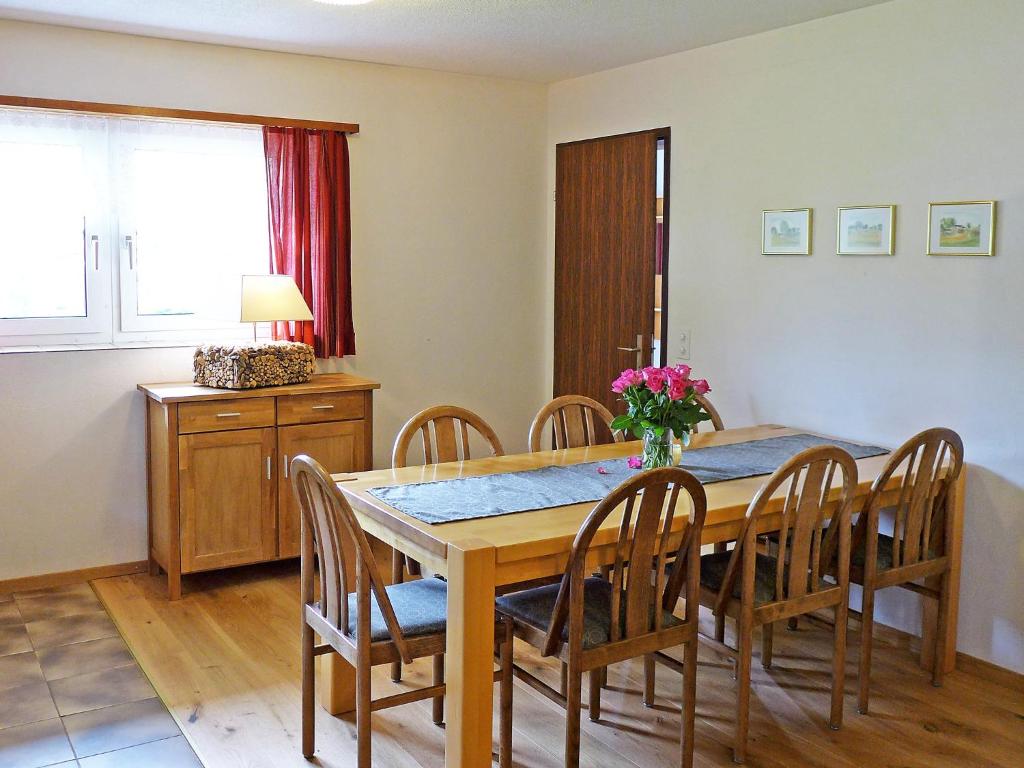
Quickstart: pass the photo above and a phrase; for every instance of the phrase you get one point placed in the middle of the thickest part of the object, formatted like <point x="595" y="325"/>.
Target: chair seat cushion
<point x="535" y="606"/>
<point x="421" y="608"/>
<point x="712" y="574"/>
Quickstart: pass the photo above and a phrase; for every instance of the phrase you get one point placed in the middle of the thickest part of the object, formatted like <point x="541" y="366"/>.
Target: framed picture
<point x="786" y="232"/>
<point x="962" y="229"/>
<point x="866" y="230"/>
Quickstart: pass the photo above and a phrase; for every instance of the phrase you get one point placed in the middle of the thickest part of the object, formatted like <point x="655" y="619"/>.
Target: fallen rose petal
<point x="602" y="471"/>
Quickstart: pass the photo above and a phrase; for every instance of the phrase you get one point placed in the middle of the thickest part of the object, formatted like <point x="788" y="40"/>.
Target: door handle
<point x="638" y="349"/>
<point x="268" y="468"/>
<point x="286" y="466"/>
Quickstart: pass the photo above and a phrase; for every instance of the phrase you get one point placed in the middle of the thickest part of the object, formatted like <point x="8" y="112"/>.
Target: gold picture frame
<point x="962" y="228"/>
<point x="780" y="237"/>
<point x="866" y="230"/>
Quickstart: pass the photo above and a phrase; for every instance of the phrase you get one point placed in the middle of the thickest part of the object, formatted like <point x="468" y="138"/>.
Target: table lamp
<point x="269" y="298"/>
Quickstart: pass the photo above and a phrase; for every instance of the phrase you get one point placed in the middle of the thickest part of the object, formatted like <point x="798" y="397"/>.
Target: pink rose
<point x="682" y="370"/>
<point x="700" y="386"/>
<point x="677" y="386"/>
<point x="635" y="462"/>
<point x="656" y="378"/>
<point x="628" y="378"/>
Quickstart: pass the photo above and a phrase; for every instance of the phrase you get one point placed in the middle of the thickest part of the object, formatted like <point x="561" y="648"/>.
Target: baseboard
<point x="990" y="672"/>
<point x="45" y="580"/>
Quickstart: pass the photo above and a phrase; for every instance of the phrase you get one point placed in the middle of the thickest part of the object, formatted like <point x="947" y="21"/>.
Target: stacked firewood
<point x="253" y="365"/>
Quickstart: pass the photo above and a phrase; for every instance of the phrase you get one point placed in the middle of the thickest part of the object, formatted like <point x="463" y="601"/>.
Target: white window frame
<point x="110" y="285"/>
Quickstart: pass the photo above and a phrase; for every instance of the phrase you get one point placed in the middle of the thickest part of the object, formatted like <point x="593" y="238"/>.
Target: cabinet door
<point x="338" y="445"/>
<point x="227" y="494"/>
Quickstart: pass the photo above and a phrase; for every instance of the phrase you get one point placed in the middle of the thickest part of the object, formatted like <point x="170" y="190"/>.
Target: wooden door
<point x="338" y="445"/>
<point x="227" y="492"/>
<point x="605" y="246"/>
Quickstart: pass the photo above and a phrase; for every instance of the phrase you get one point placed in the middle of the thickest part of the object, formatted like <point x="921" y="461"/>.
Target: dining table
<point x="480" y="556"/>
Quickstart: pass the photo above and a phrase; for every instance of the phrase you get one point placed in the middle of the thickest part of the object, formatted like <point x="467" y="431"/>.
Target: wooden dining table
<point x="479" y="556"/>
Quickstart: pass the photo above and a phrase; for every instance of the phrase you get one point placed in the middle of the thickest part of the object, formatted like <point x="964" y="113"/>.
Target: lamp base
<point x="247" y="366"/>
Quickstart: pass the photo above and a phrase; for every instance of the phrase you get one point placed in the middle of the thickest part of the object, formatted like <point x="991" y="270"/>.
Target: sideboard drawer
<point x="326" y="406"/>
<point x="216" y="415"/>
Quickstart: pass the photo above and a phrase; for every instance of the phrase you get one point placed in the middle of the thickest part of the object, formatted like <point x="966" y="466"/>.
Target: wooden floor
<point x="225" y="660"/>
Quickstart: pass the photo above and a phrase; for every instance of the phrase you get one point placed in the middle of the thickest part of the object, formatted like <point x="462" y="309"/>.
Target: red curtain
<point x="310" y="232"/>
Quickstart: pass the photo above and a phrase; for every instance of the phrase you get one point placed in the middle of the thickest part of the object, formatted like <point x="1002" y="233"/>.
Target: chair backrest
<point x="716" y="419"/>
<point x="445" y="433"/>
<point x="573" y="423"/>
<point x="804" y="554"/>
<point x="931" y="462"/>
<point x="346" y="560"/>
<point x="649" y="507"/>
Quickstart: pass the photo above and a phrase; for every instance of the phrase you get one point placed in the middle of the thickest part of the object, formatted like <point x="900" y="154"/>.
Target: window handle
<point x="96" y="250"/>
<point x="129" y="244"/>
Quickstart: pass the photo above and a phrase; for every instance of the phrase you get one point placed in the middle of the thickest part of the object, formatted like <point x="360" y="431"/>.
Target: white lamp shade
<point x="272" y="297"/>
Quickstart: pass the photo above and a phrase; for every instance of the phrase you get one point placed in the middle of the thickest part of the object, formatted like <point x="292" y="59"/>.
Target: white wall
<point x="447" y="205"/>
<point x="906" y="102"/>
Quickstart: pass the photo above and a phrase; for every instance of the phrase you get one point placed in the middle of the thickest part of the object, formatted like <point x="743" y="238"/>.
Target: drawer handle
<point x="323" y="407"/>
<point x="229" y="415"/>
<point x="268" y="467"/>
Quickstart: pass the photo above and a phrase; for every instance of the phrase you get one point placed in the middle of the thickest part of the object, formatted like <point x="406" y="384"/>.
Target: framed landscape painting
<point x="866" y="230"/>
<point x="786" y="232"/>
<point x="962" y="229"/>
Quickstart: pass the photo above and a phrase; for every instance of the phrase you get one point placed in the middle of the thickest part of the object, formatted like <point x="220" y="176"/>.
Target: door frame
<point x="661" y="134"/>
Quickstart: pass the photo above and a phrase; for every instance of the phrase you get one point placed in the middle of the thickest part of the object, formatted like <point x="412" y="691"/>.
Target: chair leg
<point x="595" y="694"/>
<point x="397" y="577"/>
<point x="649" y="678"/>
<point x="835" y="720"/>
<point x="720" y="627"/>
<point x="867" y="622"/>
<point x="573" y="705"/>
<point x="689" y="701"/>
<point x="940" y="631"/>
<point x="767" y="637"/>
<point x="505" y="717"/>
<point x="563" y="682"/>
<point x="308" y="693"/>
<point x="604" y="677"/>
<point x="363" y="714"/>
<point x="743" y="657"/>
<point x="438" y="702"/>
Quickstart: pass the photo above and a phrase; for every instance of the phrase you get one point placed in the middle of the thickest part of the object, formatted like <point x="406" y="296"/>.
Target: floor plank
<point x="225" y="661"/>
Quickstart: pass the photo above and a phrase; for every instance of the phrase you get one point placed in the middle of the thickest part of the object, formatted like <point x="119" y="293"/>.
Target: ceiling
<point x="541" y="40"/>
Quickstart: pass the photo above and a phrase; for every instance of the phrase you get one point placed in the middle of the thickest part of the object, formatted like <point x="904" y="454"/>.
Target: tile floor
<point x="71" y="695"/>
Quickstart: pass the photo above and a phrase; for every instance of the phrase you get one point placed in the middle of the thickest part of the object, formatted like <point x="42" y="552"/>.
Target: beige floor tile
<point x="90" y="656"/>
<point x="71" y="629"/>
<point x="14" y="639"/>
<point x="126" y="725"/>
<point x="79" y="588"/>
<point x="19" y="669"/>
<point x="9" y="614"/>
<point x="93" y="690"/>
<point x="27" y="703"/>
<point x="35" y="745"/>
<point x="57" y="605"/>
<point x="170" y="753"/>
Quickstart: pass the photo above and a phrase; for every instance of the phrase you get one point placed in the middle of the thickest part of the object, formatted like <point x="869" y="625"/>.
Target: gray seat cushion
<point x="535" y="606"/>
<point x="421" y="608"/>
<point x="712" y="574"/>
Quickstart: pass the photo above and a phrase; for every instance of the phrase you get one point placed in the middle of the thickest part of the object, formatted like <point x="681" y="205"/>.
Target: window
<point x="126" y="231"/>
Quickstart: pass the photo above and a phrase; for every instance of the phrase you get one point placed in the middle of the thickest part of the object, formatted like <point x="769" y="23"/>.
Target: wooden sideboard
<point x="217" y="466"/>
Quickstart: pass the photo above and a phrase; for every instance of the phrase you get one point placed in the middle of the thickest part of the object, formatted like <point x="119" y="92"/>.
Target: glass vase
<point x="658" y="450"/>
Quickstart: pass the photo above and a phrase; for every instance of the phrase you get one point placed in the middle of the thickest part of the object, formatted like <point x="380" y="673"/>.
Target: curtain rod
<point x="177" y="114"/>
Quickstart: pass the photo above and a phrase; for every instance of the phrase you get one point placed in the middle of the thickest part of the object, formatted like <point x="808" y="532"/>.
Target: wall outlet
<point x="684" y="345"/>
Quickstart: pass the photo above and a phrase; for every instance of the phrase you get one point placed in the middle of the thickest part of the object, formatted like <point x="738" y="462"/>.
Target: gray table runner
<point x="467" y="498"/>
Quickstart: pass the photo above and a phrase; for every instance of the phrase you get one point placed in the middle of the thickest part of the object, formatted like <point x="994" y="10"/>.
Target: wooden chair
<point x="716" y="419"/>
<point x="591" y="622"/>
<point x="758" y="589"/>
<point x="573" y="423"/>
<point x="444" y="431"/>
<point x="932" y="461"/>
<point x="375" y="625"/>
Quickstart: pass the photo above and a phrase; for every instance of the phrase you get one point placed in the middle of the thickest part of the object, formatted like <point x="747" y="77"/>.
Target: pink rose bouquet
<point x="660" y="403"/>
